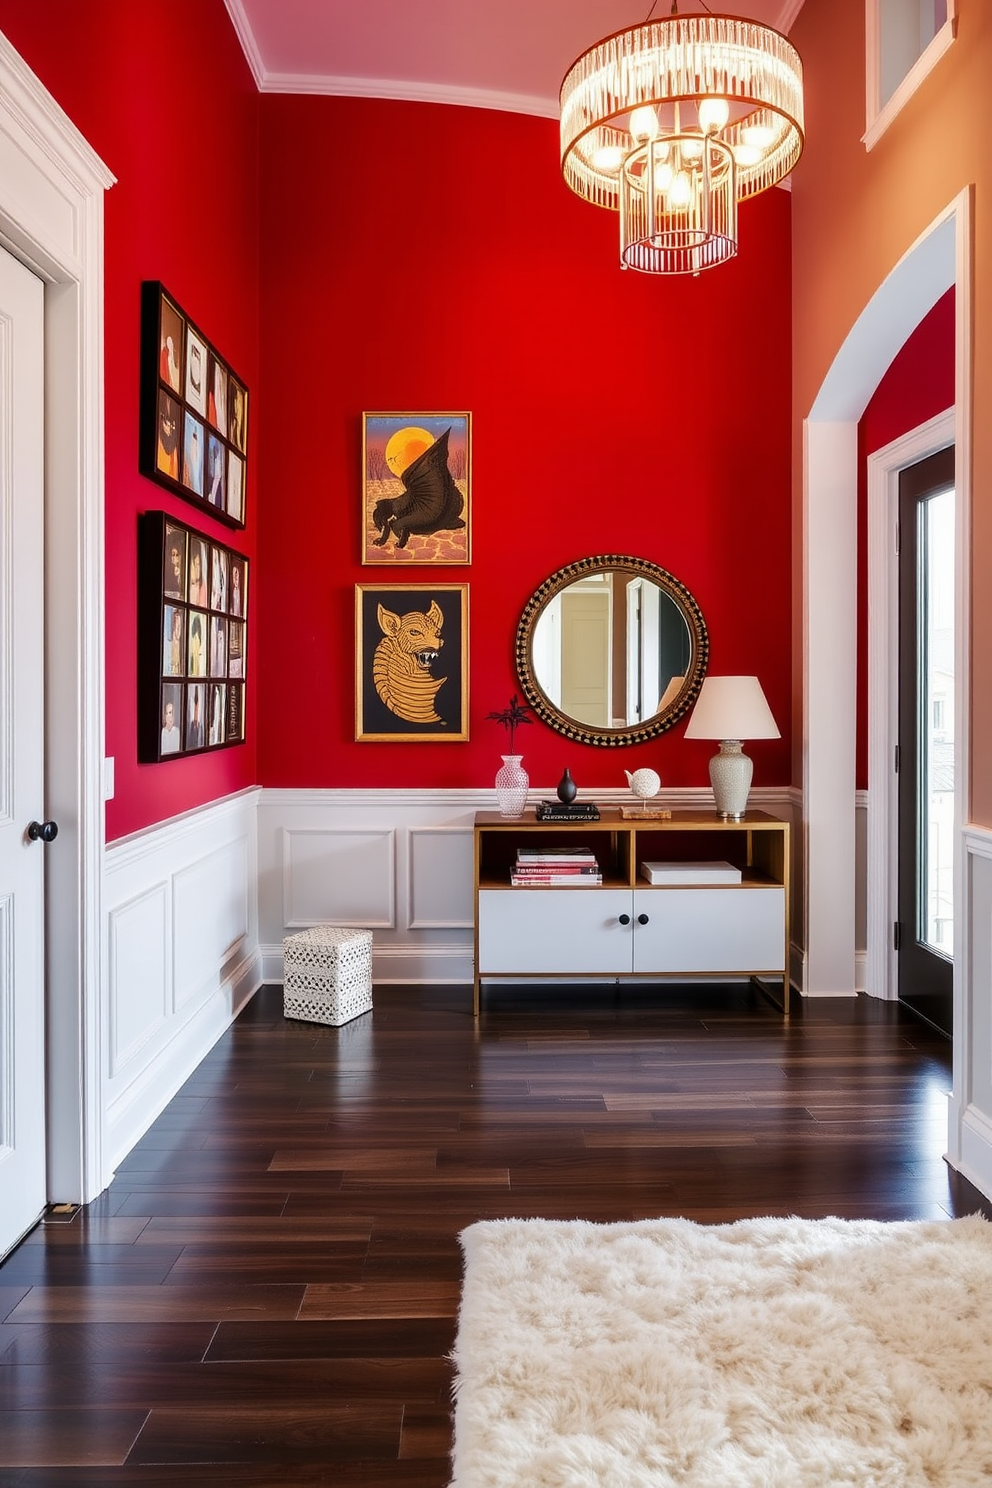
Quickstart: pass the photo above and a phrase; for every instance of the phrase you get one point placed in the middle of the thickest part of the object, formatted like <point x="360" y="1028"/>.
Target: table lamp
<point x="731" y="709"/>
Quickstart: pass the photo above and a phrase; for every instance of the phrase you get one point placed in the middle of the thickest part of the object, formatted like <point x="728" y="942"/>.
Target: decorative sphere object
<point x="644" y="783"/>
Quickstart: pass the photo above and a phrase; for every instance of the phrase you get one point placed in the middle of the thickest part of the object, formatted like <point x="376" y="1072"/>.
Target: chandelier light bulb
<point x="747" y="154"/>
<point x="760" y="136"/>
<point x="663" y="176"/>
<point x="680" y="191"/>
<point x="644" y="124"/>
<point x="713" y="114"/>
<point x="692" y="148"/>
<point x="608" y="158"/>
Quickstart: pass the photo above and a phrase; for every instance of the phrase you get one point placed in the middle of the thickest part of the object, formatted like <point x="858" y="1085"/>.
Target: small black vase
<point x="566" y="788"/>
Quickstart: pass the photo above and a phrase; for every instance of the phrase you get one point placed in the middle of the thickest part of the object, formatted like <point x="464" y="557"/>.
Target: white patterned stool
<point x="327" y="974"/>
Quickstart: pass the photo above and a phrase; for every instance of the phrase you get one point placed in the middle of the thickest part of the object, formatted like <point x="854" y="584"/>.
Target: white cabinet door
<point x="556" y="932"/>
<point x="710" y="930"/>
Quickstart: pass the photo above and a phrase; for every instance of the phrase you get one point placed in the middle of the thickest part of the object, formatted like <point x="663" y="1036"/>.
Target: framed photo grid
<point x="192" y="641"/>
<point x="193" y="435"/>
<point x="411" y="655"/>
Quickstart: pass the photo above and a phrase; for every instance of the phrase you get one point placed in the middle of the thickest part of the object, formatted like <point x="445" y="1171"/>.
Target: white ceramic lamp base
<point x="730" y="777"/>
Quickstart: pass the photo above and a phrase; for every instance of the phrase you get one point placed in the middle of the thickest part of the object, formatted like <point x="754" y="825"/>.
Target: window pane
<point x="907" y="27"/>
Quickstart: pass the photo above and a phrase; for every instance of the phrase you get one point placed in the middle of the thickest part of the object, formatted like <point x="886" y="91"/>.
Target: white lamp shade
<point x="731" y="708"/>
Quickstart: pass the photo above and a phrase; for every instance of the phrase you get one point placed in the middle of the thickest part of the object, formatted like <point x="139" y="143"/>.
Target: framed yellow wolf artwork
<point x="416" y="478"/>
<point x="411" y="650"/>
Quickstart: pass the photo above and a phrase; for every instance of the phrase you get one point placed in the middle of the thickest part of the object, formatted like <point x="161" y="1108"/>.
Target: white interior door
<point x="22" y="866"/>
<point x="585" y="648"/>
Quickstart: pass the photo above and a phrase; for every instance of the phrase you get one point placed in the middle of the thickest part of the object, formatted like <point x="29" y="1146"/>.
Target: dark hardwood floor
<point x="267" y="1292"/>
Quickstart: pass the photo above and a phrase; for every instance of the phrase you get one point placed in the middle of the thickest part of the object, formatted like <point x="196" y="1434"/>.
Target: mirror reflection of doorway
<point x="610" y="651"/>
<point x="586" y="644"/>
<point x="925" y="925"/>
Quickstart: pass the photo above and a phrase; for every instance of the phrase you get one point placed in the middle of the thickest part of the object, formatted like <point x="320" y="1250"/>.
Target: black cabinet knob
<point x="624" y="919"/>
<point x="642" y="919"/>
<point x="45" y="831"/>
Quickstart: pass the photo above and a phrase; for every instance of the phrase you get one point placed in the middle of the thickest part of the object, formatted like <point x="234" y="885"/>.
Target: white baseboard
<point x="976" y="1150"/>
<point x="147" y="1096"/>
<point x="398" y="965"/>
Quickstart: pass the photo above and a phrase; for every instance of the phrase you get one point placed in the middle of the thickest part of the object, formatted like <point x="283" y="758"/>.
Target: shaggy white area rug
<point x="772" y="1353"/>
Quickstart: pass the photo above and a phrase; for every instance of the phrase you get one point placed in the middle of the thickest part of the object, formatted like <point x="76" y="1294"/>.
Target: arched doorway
<point x="938" y="260"/>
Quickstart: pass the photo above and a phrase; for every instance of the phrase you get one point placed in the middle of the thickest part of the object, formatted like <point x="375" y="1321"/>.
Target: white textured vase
<point x="512" y="784"/>
<point x="730" y="777"/>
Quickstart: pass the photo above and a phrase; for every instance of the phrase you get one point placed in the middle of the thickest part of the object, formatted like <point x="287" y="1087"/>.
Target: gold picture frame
<point x="411" y="663"/>
<point x="416" y="489"/>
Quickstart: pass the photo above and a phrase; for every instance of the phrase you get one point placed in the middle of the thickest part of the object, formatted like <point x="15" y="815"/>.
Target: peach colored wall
<point x="855" y="214"/>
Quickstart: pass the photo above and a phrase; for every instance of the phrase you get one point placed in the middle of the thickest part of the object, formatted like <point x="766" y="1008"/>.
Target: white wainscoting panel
<point x="970" y="1135"/>
<point x="440" y="867"/>
<point x="339" y="875"/>
<point x="211" y="903"/>
<point x="140" y="971"/>
<point x="400" y="863"/>
<point x="182" y="956"/>
<point x="396" y="862"/>
<point x="7" y="1085"/>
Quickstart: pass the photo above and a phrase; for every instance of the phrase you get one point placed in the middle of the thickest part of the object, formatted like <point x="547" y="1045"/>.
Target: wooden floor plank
<point x="257" y="1432"/>
<point x="268" y="1291"/>
<point x="88" y="1437"/>
<point x="162" y="1304"/>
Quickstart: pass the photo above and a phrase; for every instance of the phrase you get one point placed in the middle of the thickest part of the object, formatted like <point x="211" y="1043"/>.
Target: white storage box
<point x="327" y="974"/>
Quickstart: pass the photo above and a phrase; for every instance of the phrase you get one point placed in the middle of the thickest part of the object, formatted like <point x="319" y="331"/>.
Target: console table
<point x="627" y="926"/>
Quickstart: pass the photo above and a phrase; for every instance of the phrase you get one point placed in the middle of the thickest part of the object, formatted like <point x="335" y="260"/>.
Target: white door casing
<point x="884" y="466"/>
<point x="51" y="218"/>
<point x="23" y="1186"/>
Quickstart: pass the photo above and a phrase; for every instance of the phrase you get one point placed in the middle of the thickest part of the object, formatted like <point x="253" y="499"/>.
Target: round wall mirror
<point x="611" y="650"/>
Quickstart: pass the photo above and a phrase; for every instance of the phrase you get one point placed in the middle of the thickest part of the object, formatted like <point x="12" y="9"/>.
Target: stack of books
<point x="567" y="811"/>
<point x="556" y="868"/>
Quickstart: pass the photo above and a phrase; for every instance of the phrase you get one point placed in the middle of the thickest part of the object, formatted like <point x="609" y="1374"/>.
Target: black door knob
<point x="46" y="831"/>
<point x="642" y="919"/>
<point x="624" y="919"/>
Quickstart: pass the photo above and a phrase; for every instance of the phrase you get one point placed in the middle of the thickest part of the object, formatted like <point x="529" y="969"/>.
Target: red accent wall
<point x="162" y="91"/>
<point x="421" y="257"/>
<point x="918" y="385"/>
<point x="351" y="255"/>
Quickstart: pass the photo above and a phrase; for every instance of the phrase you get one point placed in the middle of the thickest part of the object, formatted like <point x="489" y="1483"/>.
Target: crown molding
<point x="246" y="37"/>
<point x="404" y="89"/>
<point x="787" y="15"/>
<point x="407" y="92"/>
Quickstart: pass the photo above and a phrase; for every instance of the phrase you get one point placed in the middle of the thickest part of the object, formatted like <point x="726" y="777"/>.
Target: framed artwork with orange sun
<point x="416" y="488"/>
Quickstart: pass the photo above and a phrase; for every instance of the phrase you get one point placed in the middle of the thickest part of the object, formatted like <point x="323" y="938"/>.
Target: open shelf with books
<point x="715" y="904"/>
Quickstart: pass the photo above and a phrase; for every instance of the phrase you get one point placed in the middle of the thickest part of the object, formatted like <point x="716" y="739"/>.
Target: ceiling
<point x="501" y="54"/>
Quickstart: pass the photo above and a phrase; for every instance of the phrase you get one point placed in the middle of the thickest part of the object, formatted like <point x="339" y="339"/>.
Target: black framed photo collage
<point x="193" y="435"/>
<point x="193" y="630"/>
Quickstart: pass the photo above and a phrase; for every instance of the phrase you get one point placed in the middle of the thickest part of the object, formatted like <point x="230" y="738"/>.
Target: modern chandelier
<point x="673" y="122"/>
